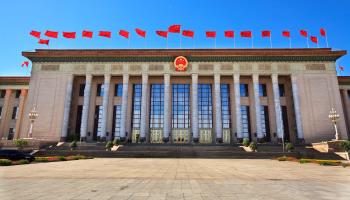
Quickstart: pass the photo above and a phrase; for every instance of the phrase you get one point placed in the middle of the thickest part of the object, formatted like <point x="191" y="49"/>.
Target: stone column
<point x="218" y="117"/>
<point x="167" y="108"/>
<point x="297" y="108"/>
<point x="277" y="102"/>
<point x="124" y="107"/>
<point x="194" y="114"/>
<point x="19" y="120"/>
<point x="106" y="86"/>
<point x="5" y="113"/>
<point x="259" y="133"/>
<point x="86" y="105"/>
<point x="143" y="125"/>
<point x="236" y="83"/>
<point x="67" y="104"/>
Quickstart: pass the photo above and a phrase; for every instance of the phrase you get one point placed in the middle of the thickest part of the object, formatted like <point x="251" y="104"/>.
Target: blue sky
<point x="18" y="18"/>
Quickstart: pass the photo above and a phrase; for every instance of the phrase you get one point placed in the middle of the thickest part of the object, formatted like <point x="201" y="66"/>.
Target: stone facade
<point x="308" y="77"/>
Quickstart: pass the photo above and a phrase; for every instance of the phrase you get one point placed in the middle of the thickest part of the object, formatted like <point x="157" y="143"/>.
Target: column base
<point x="301" y="141"/>
<point x="143" y="139"/>
<point x="82" y="139"/>
<point x="63" y="139"/>
<point x="239" y="140"/>
<point x="165" y="139"/>
<point x="219" y="140"/>
<point x="195" y="140"/>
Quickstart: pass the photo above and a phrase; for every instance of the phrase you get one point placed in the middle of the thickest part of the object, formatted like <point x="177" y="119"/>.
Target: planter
<point x="248" y="149"/>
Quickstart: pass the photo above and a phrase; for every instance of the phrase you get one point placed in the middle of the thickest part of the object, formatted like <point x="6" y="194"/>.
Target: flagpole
<point x="215" y="43"/>
<point x="167" y="42"/>
<point x="326" y="41"/>
<point x="307" y="42"/>
<point x="252" y="41"/>
<point x="290" y="42"/>
<point x="180" y="41"/>
<point x="234" y="42"/>
<point x="271" y="41"/>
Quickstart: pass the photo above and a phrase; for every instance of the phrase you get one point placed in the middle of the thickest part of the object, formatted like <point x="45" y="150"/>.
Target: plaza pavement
<point x="133" y="178"/>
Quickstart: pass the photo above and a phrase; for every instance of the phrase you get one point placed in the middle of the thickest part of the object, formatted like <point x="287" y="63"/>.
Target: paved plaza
<point x="134" y="178"/>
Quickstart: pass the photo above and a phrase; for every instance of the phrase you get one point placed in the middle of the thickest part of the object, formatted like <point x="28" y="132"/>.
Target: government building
<point x="186" y="96"/>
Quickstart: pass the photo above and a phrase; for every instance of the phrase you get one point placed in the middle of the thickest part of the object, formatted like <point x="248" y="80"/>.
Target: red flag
<point x="314" y="39"/>
<point x="124" y="33"/>
<point x="87" y="34"/>
<point x="229" y="34"/>
<point x="303" y="33"/>
<point x="246" y="34"/>
<point x="42" y="41"/>
<point x="323" y="32"/>
<point x="70" y="35"/>
<point x="174" y="28"/>
<point x="341" y="68"/>
<point x="210" y="34"/>
<point x="286" y="34"/>
<point x="52" y="34"/>
<point x="162" y="33"/>
<point x="140" y="32"/>
<point x="25" y="63"/>
<point x="106" y="34"/>
<point x="188" y="33"/>
<point x="35" y="34"/>
<point x="266" y="33"/>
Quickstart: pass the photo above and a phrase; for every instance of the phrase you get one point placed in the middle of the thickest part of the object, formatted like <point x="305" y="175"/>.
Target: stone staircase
<point x="265" y="151"/>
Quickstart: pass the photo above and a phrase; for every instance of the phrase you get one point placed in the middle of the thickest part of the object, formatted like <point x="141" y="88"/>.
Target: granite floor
<point x="132" y="178"/>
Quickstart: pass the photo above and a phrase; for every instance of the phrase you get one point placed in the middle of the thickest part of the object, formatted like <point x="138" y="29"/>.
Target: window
<point x="18" y="93"/>
<point x="118" y="90"/>
<point x="157" y="106"/>
<point x="0" y="111"/>
<point x="117" y="119"/>
<point x="243" y="90"/>
<point x="15" y="112"/>
<point x="262" y="90"/>
<point x="205" y="110"/>
<point x="180" y="106"/>
<point x="136" y="107"/>
<point x="281" y="89"/>
<point x="225" y="105"/>
<point x="245" y="121"/>
<point x="2" y="93"/>
<point x="99" y="122"/>
<point x="100" y="90"/>
<point x="265" y="125"/>
<point x="81" y="90"/>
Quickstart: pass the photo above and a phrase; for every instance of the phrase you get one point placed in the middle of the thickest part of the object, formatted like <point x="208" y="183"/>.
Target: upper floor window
<point x="281" y="89"/>
<point x="157" y="106"/>
<point x="181" y="106"/>
<point x="136" y="106"/>
<point x="81" y="90"/>
<point x="225" y="105"/>
<point x="262" y="90"/>
<point x="2" y="93"/>
<point x="118" y="90"/>
<point x="100" y="90"/>
<point x="18" y="93"/>
<point x="205" y="111"/>
<point x="243" y="90"/>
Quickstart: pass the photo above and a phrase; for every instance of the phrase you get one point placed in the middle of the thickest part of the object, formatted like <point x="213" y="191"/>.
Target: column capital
<point x="293" y="77"/>
<point x="24" y="92"/>
<point x="255" y="77"/>
<point x="217" y="77"/>
<point x="88" y="77"/>
<point x="274" y="78"/>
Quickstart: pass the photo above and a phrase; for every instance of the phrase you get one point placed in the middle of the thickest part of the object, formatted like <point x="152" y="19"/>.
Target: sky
<point x="19" y="17"/>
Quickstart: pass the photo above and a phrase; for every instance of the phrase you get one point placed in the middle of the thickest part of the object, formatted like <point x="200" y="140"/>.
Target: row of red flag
<point x="171" y="29"/>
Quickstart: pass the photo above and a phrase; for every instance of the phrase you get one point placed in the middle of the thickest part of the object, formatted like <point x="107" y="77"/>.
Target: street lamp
<point x="33" y="114"/>
<point x="334" y="117"/>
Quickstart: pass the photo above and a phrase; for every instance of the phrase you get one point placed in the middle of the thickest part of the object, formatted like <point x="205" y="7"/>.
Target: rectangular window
<point x="281" y="89"/>
<point x="100" y="90"/>
<point x="157" y="106"/>
<point x="205" y="110"/>
<point x="225" y="105"/>
<point x="15" y="112"/>
<point x="99" y="123"/>
<point x="136" y="107"/>
<point x="180" y="106"/>
<point x="117" y="120"/>
<point x="0" y="112"/>
<point x="245" y="121"/>
<point x="265" y="125"/>
<point x="2" y="94"/>
<point x="18" y="93"/>
<point x="118" y="90"/>
<point x="81" y="90"/>
<point x="262" y="90"/>
<point x="243" y="90"/>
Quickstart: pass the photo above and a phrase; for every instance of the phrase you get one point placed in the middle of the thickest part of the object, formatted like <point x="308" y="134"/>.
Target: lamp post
<point x="33" y="114"/>
<point x="334" y="117"/>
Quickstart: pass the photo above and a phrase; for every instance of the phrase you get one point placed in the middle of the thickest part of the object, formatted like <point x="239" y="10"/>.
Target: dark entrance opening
<point x="285" y="124"/>
<point x="78" y="121"/>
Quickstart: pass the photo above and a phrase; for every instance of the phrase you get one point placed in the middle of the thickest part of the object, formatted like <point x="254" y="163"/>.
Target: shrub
<point x="328" y="162"/>
<point x="302" y="161"/>
<point x="289" y="147"/>
<point x="345" y="145"/>
<point x="41" y="159"/>
<point x="61" y="158"/>
<point x="20" y="143"/>
<point x="109" y="145"/>
<point x="253" y="146"/>
<point x="246" y="142"/>
<point x="73" y="145"/>
<point x="23" y="162"/>
<point x="5" y="162"/>
<point x="116" y="142"/>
